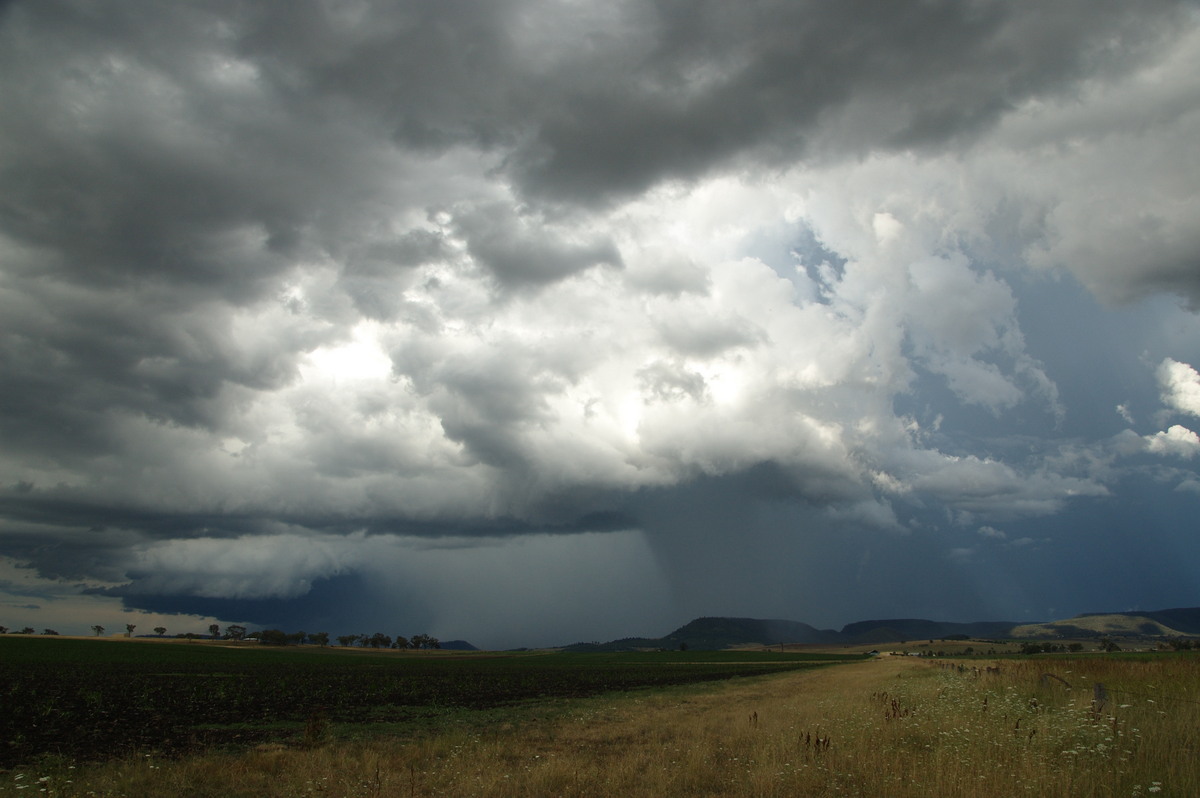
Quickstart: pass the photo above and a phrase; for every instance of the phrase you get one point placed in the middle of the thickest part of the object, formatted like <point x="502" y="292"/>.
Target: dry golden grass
<point x="895" y="726"/>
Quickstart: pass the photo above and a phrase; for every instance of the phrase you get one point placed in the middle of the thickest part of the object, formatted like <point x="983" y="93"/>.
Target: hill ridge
<point x="720" y="632"/>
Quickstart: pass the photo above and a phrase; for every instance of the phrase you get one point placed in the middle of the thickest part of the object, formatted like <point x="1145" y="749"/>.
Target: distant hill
<point x="1181" y="622"/>
<point x="457" y="645"/>
<point x="715" y="633"/>
<point x="1184" y="619"/>
<point x="710" y="634"/>
<point x="721" y="633"/>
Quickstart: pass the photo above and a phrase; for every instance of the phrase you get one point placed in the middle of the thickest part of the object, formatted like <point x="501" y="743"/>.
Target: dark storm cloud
<point x="289" y="289"/>
<point x="713" y="81"/>
<point x="134" y="157"/>
<point x="342" y="603"/>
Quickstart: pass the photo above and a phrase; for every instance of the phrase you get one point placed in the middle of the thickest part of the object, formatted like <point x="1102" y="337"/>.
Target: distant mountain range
<point x="720" y="633"/>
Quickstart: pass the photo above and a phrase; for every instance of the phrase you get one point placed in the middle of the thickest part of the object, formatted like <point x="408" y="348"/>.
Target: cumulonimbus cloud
<point x="496" y="268"/>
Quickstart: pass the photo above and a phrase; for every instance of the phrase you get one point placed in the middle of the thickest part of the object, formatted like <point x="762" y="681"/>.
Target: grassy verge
<point x="894" y="726"/>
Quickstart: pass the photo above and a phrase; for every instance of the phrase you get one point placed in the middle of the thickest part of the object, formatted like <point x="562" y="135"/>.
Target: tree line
<point x="275" y="637"/>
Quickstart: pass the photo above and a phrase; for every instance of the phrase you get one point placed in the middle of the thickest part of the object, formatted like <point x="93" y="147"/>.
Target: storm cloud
<point x="609" y="314"/>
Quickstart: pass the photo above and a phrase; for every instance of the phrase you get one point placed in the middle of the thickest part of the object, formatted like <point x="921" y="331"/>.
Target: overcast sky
<point x="529" y="322"/>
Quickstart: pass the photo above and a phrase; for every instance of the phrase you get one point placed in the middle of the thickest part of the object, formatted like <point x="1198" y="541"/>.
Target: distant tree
<point x="273" y="637"/>
<point x="1108" y="644"/>
<point x="346" y="640"/>
<point x="319" y="638"/>
<point x="1075" y="647"/>
<point x="423" y="641"/>
<point x="683" y="646"/>
<point x="401" y="641"/>
<point x="380" y="640"/>
<point x="235" y="632"/>
<point x="298" y="637"/>
<point x="3" y="630"/>
<point x="28" y="630"/>
<point x="49" y="632"/>
<point x="98" y="629"/>
<point x="214" y="630"/>
<point x="160" y="630"/>
<point x="129" y="627"/>
<point x="191" y="636"/>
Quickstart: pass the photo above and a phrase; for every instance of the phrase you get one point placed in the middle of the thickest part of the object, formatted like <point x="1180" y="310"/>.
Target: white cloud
<point x="1180" y="384"/>
<point x="1177" y="440"/>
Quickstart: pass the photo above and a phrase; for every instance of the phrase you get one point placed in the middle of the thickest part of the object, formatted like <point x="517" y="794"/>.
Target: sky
<point x="529" y="322"/>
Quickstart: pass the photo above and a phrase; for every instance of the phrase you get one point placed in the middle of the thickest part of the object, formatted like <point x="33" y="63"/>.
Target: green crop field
<point x="262" y="723"/>
<point x="101" y="699"/>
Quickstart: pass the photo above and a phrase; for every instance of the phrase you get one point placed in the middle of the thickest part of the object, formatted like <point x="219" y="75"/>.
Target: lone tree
<point x="346" y="640"/>
<point x="160" y="630"/>
<point x="129" y="627"/>
<point x="235" y="632"/>
<point x="98" y="629"/>
<point x="214" y="630"/>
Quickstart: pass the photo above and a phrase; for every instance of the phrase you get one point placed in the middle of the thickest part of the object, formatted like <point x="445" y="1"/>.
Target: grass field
<point x="890" y="726"/>
<point x="99" y="699"/>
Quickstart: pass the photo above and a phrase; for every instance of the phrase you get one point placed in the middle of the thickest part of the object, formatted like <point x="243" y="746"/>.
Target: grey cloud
<point x="433" y="75"/>
<point x="667" y="273"/>
<point x="783" y="79"/>
<point x="377" y="275"/>
<point x="124" y="165"/>
<point x="523" y="250"/>
<point x="996" y="489"/>
<point x="693" y="333"/>
<point x="74" y="359"/>
<point x="669" y="382"/>
<point x="488" y="395"/>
